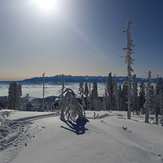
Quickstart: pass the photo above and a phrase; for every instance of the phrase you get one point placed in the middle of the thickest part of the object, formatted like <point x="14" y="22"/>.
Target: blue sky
<point x="83" y="38"/>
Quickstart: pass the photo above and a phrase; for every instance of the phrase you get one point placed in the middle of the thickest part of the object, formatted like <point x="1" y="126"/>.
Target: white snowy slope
<point x="109" y="140"/>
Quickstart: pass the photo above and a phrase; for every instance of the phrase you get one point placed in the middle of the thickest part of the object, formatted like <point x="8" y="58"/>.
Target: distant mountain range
<point x="73" y="79"/>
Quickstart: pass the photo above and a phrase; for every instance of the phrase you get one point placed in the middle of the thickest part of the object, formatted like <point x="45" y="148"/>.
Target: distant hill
<point x="73" y="79"/>
<point x="70" y="79"/>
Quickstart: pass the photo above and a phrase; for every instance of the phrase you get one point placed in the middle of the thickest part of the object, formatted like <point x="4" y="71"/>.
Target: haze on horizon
<point x="82" y="37"/>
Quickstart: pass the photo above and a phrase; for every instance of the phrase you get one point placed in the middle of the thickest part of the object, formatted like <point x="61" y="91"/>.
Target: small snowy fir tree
<point x="157" y="99"/>
<point x="149" y="98"/>
<point x="94" y="97"/>
<point x="109" y="93"/>
<point x="135" y="95"/>
<point x="115" y="95"/>
<point x="94" y="90"/>
<point x="86" y="90"/>
<point x="142" y="98"/>
<point x="161" y="101"/>
<point x="124" y="96"/>
<point x="119" y="96"/>
<point x="86" y="94"/>
<point x="81" y="88"/>
<point x="14" y="96"/>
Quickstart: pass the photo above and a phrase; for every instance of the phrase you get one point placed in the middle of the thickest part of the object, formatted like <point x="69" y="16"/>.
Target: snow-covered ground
<point x="112" y="139"/>
<point x="14" y="115"/>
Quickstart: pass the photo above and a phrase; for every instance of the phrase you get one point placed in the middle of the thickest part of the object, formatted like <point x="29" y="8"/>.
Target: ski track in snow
<point x="45" y="141"/>
<point x="25" y="130"/>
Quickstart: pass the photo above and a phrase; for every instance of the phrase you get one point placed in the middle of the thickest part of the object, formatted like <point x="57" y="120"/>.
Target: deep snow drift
<point x="112" y="139"/>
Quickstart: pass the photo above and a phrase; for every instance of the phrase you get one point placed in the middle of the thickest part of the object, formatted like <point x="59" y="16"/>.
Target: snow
<point x="24" y="114"/>
<point x="112" y="139"/>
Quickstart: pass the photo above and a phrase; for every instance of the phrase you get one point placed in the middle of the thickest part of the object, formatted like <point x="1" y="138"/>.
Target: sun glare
<point x="47" y="6"/>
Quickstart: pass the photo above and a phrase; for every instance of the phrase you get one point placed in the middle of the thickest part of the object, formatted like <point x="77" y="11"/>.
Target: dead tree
<point x="129" y="61"/>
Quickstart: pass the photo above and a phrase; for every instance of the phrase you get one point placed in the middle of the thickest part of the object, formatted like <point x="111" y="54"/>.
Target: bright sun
<point x="47" y="6"/>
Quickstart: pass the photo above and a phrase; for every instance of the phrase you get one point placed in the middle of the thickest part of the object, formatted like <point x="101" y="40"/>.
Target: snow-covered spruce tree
<point x="124" y="96"/>
<point x="148" y="103"/>
<point x="25" y="100"/>
<point x="94" y="90"/>
<point x="129" y="62"/>
<point x="81" y="88"/>
<point x="119" y="96"/>
<point x="158" y="98"/>
<point x="115" y="96"/>
<point x="109" y="93"/>
<point x="142" y="98"/>
<point x="152" y="93"/>
<point x="86" y="90"/>
<point x="156" y="105"/>
<point x="135" y="96"/>
<point x="94" y="103"/>
<point x="82" y="96"/>
<point x="14" y="96"/>
<point x="161" y="101"/>
<point x="29" y="106"/>
<point x="86" y="94"/>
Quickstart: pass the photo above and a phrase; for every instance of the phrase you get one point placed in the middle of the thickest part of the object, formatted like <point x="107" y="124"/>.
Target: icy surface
<point x="112" y="139"/>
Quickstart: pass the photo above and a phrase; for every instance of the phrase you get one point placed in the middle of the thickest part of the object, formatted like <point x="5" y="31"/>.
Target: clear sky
<point x="78" y="37"/>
